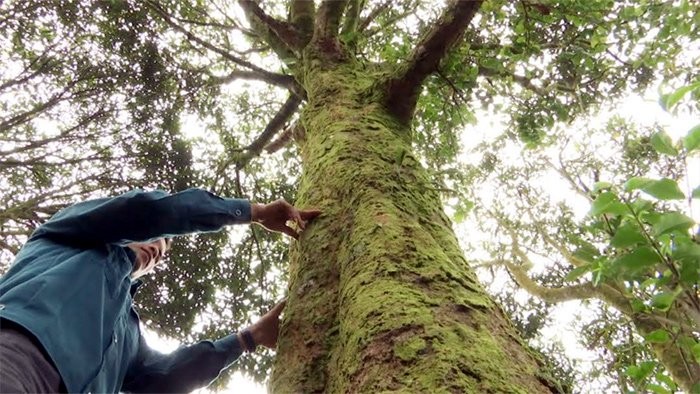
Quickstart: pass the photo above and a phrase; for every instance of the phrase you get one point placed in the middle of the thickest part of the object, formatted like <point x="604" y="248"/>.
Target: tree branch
<point x="283" y="139"/>
<point x="25" y="116"/>
<point x="328" y="19"/>
<point x="301" y="15"/>
<point x="552" y="295"/>
<point x="403" y="90"/>
<point x="373" y="15"/>
<point x="40" y="64"/>
<point x="280" y="35"/>
<point x="580" y="188"/>
<point x="276" y="124"/>
<point x="282" y="80"/>
<point x="63" y="135"/>
<point x="352" y="16"/>
<point x="243" y="63"/>
<point x="520" y="79"/>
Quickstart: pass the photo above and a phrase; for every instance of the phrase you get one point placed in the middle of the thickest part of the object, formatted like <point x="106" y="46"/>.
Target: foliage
<point x="635" y="249"/>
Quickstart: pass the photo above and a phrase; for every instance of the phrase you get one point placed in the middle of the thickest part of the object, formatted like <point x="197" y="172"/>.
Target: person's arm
<point x="191" y="367"/>
<point x="184" y="370"/>
<point x="139" y="216"/>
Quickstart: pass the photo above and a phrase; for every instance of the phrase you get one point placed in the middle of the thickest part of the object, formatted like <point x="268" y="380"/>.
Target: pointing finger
<point x="277" y="309"/>
<point x="309" y="214"/>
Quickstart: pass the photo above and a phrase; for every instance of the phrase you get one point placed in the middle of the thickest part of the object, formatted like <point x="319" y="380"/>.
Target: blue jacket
<point x="70" y="286"/>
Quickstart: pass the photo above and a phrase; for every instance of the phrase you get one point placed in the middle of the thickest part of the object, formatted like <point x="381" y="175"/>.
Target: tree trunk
<point x="381" y="297"/>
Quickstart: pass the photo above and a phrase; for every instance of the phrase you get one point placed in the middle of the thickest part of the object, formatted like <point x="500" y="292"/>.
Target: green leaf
<point x="672" y="221"/>
<point x="665" y="379"/>
<point x="664" y="189"/>
<point x="637" y="260"/>
<point x="586" y="252"/>
<point x="607" y="202"/>
<point x="627" y="235"/>
<point x="663" y="301"/>
<point x="641" y="206"/>
<point x="598" y="186"/>
<point x="491" y="63"/>
<point x="655" y="388"/>
<point x="686" y="251"/>
<point x="578" y="272"/>
<point x="668" y="101"/>
<point x="696" y="352"/>
<point x="658" y="336"/>
<point x="638" y="306"/>
<point x="690" y="272"/>
<point x="696" y="192"/>
<point x="691" y="141"/>
<point x="641" y="371"/>
<point x="637" y="182"/>
<point x="688" y="255"/>
<point x="663" y="144"/>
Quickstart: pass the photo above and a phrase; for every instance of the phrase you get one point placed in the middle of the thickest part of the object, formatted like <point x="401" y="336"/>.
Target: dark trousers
<point x="23" y="366"/>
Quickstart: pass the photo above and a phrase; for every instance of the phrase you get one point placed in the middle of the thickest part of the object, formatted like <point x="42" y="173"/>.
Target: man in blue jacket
<point x="66" y="316"/>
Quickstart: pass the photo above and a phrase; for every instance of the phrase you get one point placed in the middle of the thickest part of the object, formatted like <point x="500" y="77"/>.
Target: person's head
<point x="148" y="255"/>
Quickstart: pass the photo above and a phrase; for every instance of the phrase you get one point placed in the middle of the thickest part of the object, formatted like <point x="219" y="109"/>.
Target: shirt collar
<point x="135" y="286"/>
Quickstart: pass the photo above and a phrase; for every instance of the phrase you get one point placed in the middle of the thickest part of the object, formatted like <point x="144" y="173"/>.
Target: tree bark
<point x="381" y="297"/>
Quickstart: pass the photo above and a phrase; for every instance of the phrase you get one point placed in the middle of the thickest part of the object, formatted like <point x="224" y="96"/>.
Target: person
<point x="67" y="323"/>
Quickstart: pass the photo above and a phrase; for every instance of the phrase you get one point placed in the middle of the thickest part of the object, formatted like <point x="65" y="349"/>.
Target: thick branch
<point x="603" y="292"/>
<point x="280" y="35"/>
<point x="276" y="124"/>
<point x="283" y="139"/>
<point x="328" y="19"/>
<point x="403" y="89"/>
<point x="302" y="13"/>
<point x="552" y="295"/>
<point x="282" y="80"/>
<point x="352" y="16"/>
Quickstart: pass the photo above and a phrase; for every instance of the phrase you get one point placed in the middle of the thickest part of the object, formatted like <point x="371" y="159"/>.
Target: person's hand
<point x="275" y="216"/>
<point x="265" y="330"/>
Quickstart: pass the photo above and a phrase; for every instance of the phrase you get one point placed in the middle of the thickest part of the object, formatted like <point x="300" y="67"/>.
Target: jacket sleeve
<point x="182" y="371"/>
<point x="139" y="216"/>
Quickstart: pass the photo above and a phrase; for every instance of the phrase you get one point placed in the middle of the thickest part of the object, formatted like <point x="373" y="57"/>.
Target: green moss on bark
<point x="381" y="297"/>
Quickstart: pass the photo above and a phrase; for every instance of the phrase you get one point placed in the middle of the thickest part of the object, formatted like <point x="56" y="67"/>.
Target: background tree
<point x="125" y="85"/>
<point x="636" y="258"/>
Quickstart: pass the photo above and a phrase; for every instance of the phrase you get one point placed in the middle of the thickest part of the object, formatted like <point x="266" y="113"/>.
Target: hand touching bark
<point x="276" y="215"/>
<point x="265" y="330"/>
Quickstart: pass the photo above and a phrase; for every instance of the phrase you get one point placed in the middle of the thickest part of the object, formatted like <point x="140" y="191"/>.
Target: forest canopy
<point x="100" y="97"/>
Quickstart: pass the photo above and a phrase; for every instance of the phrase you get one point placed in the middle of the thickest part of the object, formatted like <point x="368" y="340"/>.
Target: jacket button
<point x="238" y="212"/>
<point x="2" y="307"/>
<point x="114" y="337"/>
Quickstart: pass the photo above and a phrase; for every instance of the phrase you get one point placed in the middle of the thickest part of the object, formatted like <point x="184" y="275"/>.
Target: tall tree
<point x="374" y="94"/>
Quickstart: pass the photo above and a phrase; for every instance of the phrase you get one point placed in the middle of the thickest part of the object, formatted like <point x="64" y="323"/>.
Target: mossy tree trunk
<point x="381" y="297"/>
